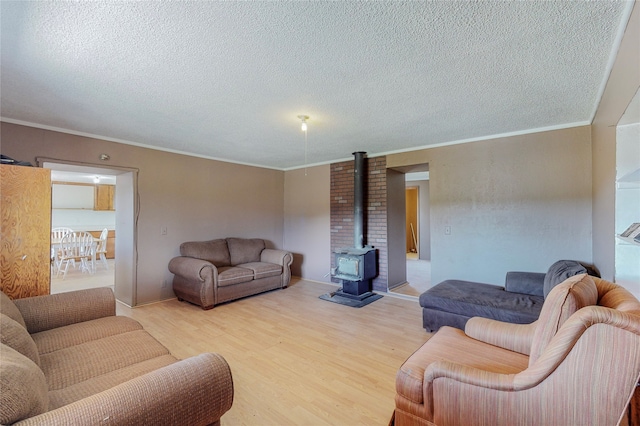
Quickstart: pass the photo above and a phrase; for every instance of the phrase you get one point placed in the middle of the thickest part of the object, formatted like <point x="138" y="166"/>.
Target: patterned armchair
<point x="579" y="363"/>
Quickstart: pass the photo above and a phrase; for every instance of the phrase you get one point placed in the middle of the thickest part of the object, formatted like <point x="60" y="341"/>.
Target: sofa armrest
<point x="191" y="269"/>
<point x="525" y="282"/>
<point x="195" y="280"/>
<point x="459" y="374"/>
<point x="279" y="257"/>
<point x="514" y="337"/>
<point x="57" y="310"/>
<point x="282" y="258"/>
<point x="196" y="390"/>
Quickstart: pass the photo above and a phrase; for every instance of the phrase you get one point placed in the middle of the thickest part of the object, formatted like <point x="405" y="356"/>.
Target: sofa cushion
<point x="245" y="250"/>
<point x="262" y="269"/>
<point x="468" y="352"/>
<point x="23" y="385"/>
<point x="560" y="271"/>
<point x="103" y="382"/>
<point x="17" y="337"/>
<point x="229" y="275"/>
<point x="214" y="251"/>
<point x="10" y="309"/>
<point x="563" y="301"/>
<point x="75" y="364"/>
<point x="471" y="299"/>
<point x="76" y="334"/>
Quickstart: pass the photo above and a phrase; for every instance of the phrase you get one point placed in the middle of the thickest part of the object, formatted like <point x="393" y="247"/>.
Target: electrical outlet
<point x="163" y="230"/>
<point x="447" y="230"/>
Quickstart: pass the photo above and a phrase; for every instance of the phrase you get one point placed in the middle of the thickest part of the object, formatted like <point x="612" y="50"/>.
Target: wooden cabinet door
<point x="104" y="197"/>
<point x="25" y="228"/>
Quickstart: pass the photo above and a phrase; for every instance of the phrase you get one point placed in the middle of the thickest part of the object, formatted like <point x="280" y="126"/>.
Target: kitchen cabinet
<point x="104" y="196"/>
<point x="25" y="227"/>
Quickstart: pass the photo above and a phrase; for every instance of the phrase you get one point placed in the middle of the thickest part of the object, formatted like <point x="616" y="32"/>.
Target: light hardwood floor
<point x="296" y="359"/>
<point x="418" y="277"/>
<point x="76" y="279"/>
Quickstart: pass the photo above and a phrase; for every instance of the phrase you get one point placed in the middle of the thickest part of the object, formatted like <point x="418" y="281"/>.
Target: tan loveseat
<point x="67" y="359"/>
<point x="208" y="273"/>
<point x="578" y="364"/>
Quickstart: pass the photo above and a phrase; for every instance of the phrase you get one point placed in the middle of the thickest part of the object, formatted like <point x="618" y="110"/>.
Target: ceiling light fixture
<point x="96" y="179"/>
<point x="303" y="127"/>
<point x="304" y="119"/>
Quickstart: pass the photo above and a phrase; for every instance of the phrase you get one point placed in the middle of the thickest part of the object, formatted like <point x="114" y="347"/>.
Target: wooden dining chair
<point x="101" y="248"/>
<point x="58" y="232"/>
<point x="77" y="246"/>
<point x="56" y="236"/>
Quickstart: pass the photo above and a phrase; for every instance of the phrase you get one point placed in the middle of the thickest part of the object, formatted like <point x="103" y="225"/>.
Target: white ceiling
<point x="227" y="80"/>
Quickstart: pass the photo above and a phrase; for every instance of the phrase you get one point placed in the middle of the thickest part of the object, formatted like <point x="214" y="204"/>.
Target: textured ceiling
<point x="227" y="80"/>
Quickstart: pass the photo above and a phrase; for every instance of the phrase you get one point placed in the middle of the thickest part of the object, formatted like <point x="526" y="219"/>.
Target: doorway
<point x="416" y="232"/>
<point x="122" y="275"/>
<point x="418" y="215"/>
<point x="83" y="202"/>
<point x="412" y="212"/>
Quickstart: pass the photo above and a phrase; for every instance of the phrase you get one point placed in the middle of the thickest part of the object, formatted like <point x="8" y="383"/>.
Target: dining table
<point x="56" y="247"/>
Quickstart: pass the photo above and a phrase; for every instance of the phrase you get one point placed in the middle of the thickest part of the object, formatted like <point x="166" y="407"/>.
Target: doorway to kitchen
<point x="82" y="205"/>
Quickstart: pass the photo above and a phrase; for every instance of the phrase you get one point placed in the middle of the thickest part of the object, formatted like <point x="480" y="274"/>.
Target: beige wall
<point x="515" y="203"/>
<point x="195" y="198"/>
<point x="510" y="202"/>
<point x="623" y="83"/>
<point x="307" y="231"/>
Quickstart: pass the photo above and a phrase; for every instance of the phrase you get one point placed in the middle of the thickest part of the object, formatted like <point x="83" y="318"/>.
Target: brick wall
<point x="375" y="211"/>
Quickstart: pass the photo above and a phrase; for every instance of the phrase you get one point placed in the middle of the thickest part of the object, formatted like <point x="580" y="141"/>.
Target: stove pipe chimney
<point x="358" y="202"/>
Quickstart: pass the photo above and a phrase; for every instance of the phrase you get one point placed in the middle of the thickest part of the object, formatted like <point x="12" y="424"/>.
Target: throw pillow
<point x="17" y="337"/>
<point x="560" y="271"/>
<point x="563" y="301"/>
<point x="24" y="387"/>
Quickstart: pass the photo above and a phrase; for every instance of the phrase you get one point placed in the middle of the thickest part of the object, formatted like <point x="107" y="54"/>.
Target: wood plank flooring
<point x="76" y="279"/>
<point x="296" y="359"/>
<point x="418" y="277"/>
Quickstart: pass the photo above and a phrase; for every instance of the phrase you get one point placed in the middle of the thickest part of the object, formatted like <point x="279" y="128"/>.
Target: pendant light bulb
<point x="304" y="119"/>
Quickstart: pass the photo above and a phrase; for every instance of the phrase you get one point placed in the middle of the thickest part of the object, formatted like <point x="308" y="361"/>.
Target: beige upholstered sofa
<point x="578" y="364"/>
<point x="67" y="359"/>
<point x="208" y="273"/>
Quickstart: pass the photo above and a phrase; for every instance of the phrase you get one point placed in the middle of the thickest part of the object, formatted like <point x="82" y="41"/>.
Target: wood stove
<point x="356" y="266"/>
